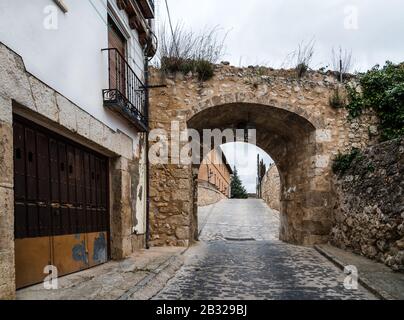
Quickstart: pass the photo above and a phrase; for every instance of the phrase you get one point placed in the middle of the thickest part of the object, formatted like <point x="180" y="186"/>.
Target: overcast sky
<point x="266" y="31"/>
<point x="244" y="157"/>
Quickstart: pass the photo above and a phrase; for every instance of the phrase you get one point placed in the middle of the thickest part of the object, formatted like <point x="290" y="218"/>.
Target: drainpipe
<point x="147" y="113"/>
<point x="146" y="80"/>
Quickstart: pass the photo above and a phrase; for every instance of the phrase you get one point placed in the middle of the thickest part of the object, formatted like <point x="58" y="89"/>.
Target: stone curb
<point x="381" y="294"/>
<point x="154" y="273"/>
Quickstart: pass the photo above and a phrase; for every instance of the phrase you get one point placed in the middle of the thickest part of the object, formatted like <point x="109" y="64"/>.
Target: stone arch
<point x="248" y="98"/>
<point x="287" y="133"/>
<point x="305" y="135"/>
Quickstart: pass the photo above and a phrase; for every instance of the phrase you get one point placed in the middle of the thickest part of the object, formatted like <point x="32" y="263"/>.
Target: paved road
<point x="239" y="257"/>
<point x="238" y="219"/>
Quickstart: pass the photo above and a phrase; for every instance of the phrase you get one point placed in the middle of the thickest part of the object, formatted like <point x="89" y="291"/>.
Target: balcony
<point x="126" y="94"/>
<point x="147" y="7"/>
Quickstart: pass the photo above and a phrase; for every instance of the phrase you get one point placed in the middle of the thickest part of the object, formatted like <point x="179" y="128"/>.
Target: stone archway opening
<point x="242" y="214"/>
<point x="290" y="140"/>
<point x="295" y="124"/>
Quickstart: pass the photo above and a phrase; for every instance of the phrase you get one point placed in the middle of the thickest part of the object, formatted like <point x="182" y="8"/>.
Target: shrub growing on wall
<point x="383" y="90"/>
<point x="343" y="162"/>
<point x="184" y="51"/>
<point x="203" y="68"/>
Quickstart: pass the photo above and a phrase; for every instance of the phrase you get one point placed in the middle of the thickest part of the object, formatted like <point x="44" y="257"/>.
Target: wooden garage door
<point x="61" y="204"/>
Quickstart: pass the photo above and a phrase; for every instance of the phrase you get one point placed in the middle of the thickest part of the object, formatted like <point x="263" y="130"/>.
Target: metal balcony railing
<point x="126" y="93"/>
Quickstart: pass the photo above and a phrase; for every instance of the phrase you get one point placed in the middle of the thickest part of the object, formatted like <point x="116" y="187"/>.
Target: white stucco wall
<point x="69" y="59"/>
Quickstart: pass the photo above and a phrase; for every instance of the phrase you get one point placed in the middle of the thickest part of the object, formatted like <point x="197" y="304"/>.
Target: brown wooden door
<point x="118" y="68"/>
<point x="61" y="206"/>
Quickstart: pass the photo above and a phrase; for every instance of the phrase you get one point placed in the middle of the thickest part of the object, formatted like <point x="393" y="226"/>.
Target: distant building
<point x="216" y="172"/>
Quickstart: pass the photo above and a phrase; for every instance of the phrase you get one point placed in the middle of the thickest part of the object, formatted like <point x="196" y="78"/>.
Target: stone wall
<point x="208" y="194"/>
<point x="271" y="188"/>
<point x="295" y="125"/>
<point x="369" y="205"/>
<point x="25" y="95"/>
<point x="7" y="269"/>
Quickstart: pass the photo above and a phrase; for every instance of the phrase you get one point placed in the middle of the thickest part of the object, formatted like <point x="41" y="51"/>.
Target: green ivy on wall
<point x="383" y="90"/>
<point x="343" y="162"/>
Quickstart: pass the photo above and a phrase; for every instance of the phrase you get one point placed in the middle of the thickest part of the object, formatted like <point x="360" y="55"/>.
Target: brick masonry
<point x="295" y="125"/>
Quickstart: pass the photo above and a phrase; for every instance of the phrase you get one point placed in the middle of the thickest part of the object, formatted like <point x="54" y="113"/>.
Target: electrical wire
<point x="171" y="27"/>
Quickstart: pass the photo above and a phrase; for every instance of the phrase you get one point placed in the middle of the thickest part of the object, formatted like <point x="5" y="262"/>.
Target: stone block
<point x="7" y="292"/>
<point x="67" y="113"/>
<point x="182" y="233"/>
<point x="184" y="184"/>
<point x="14" y="80"/>
<point x="320" y="183"/>
<point x="317" y="199"/>
<point x="6" y="110"/>
<point x="7" y="234"/>
<point x="45" y="99"/>
<point x="126" y="187"/>
<point x="181" y="195"/>
<point x="96" y="131"/>
<point x="323" y="135"/>
<point x="322" y="161"/>
<point x="6" y="154"/>
<point x="126" y="144"/>
<point x="7" y="271"/>
<point x="83" y="123"/>
<point x="178" y="220"/>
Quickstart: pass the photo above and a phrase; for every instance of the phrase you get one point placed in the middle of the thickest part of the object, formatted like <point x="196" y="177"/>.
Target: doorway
<point x="61" y="204"/>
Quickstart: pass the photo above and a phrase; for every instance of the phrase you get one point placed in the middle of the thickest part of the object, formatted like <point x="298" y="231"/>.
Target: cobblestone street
<point x="239" y="257"/>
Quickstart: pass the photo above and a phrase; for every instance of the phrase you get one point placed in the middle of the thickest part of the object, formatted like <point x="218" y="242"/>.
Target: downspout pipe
<point x="147" y="104"/>
<point x="147" y="113"/>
